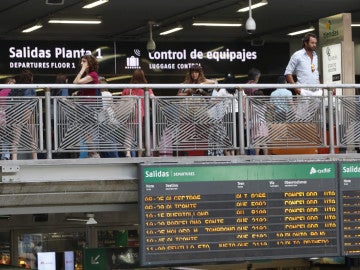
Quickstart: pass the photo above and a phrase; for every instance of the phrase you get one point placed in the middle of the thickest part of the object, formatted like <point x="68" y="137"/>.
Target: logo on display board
<point x="331" y="29"/>
<point x="328" y="25"/>
<point x="314" y="170"/>
<point x="330" y="32"/>
<point x="331" y="56"/>
<point x="133" y="62"/>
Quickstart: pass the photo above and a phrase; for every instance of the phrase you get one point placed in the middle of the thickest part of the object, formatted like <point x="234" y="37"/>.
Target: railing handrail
<point x="138" y="128"/>
<point x="174" y="86"/>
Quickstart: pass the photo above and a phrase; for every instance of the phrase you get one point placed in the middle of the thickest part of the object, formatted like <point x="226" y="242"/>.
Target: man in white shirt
<point x="304" y="64"/>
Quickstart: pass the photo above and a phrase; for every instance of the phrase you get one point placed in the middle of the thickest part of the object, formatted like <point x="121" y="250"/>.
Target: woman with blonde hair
<point x="195" y="75"/>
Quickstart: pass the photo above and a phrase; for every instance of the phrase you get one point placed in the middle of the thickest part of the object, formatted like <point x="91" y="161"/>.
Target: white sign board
<point x="332" y="68"/>
<point x="46" y="260"/>
<point x="69" y="260"/>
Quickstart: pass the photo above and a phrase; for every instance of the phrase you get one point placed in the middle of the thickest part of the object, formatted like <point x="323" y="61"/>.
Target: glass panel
<point x="5" y="248"/>
<point x="30" y="244"/>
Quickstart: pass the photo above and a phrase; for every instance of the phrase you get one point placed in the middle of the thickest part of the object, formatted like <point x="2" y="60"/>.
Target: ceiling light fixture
<point x="302" y="31"/>
<point x="95" y="4"/>
<point x="174" y="29"/>
<point x="67" y="21"/>
<point x="32" y="28"/>
<point x="257" y="5"/>
<point x="217" y="24"/>
<point x="355" y="24"/>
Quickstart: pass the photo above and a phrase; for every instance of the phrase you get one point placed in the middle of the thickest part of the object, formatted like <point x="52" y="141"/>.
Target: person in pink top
<point x="88" y="74"/>
<point x="138" y="77"/>
<point x="5" y="92"/>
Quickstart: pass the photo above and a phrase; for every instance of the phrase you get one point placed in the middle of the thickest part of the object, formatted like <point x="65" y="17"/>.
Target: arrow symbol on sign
<point x="95" y="260"/>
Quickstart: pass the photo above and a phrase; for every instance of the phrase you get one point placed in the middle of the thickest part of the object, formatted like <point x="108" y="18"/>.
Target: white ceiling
<point x="128" y="20"/>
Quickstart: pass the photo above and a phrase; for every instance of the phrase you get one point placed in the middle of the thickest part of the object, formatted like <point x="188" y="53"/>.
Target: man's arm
<point x="290" y="70"/>
<point x="290" y="79"/>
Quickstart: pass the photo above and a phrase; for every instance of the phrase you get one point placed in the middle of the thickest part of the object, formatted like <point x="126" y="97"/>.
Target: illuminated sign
<point x="111" y="258"/>
<point x="215" y="57"/>
<point x="214" y="213"/>
<point x="350" y="198"/>
<point x="46" y="260"/>
<point x="52" y="57"/>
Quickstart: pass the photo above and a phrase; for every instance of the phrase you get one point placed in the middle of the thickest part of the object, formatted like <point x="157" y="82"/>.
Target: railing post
<point x="241" y="121"/>
<point x="48" y="123"/>
<point x="331" y="120"/>
<point x="147" y="122"/>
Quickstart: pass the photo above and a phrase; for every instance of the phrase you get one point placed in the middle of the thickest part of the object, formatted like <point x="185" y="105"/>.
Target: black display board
<point x="350" y="201"/>
<point x="222" y="213"/>
<point x="52" y="57"/>
<point x="119" y="59"/>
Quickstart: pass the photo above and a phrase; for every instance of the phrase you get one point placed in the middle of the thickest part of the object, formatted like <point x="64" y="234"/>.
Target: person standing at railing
<point x="138" y="77"/>
<point x="229" y="104"/>
<point x="5" y="153"/>
<point x="281" y="99"/>
<point x="109" y="122"/>
<point x="88" y="74"/>
<point x="195" y="75"/>
<point x="26" y="116"/>
<point x="60" y="79"/>
<point x="304" y="64"/>
<point x="59" y="92"/>
<point x="259" y="129"/>
<point x="253" y="78"/>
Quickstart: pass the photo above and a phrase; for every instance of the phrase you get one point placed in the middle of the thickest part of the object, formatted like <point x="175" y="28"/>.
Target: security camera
<point x="151" y="46"/>
<point x="250" y="26"/>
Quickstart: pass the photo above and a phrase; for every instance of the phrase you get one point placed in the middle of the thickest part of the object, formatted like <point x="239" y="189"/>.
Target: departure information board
<point x="219" y="213"/>
<point x="350" y="200"/>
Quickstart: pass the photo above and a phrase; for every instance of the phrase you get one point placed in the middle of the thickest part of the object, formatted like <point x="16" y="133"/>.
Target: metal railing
<point x="290" y="123"/>
<point x="347" y="121"/>
<point x="192" y="123"/>
<point x="171" y="123"/>
<point x="96" y="124"/>
<point x="21" y="125"/>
